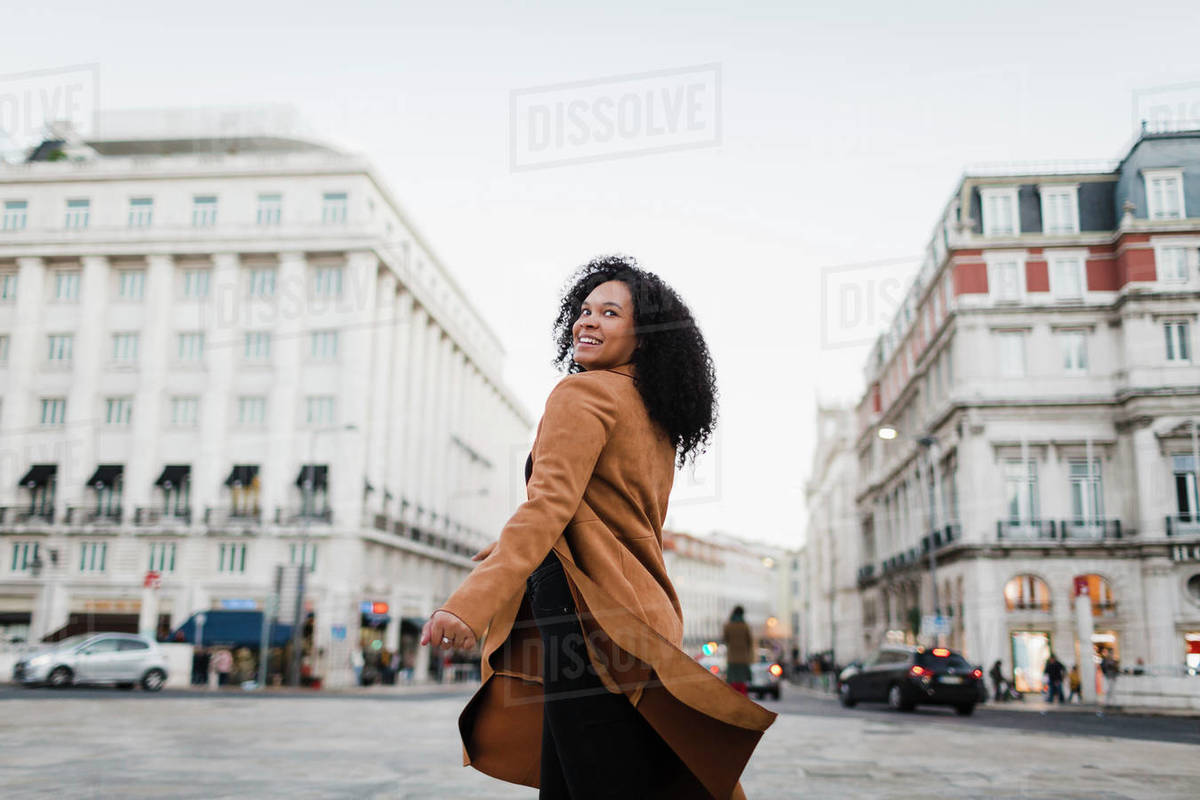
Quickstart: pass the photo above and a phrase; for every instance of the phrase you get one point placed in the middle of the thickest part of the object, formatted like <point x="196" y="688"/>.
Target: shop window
<point x="1027" y="593"/>
<point x="1101" y="593"/>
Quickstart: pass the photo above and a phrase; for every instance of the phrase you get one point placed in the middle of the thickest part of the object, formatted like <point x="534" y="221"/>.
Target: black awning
<point x="242" y="475"/>
<point x="174" y="475"/>
<point x="107" y="475"/>
<point x="39" y="475"/>
<point x="318" y="473"/>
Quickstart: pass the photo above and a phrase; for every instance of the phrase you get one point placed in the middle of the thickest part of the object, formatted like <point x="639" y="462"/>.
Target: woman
<point x="586" y="689"/>
<point x="739" y="650"/>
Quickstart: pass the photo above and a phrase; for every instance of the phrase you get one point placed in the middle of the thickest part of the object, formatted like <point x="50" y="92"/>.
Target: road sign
<point x="935" y="625"/>
<point x="339" y="632"/>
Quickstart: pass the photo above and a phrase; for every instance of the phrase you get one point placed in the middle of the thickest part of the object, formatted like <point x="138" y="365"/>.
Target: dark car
<point x="905" y="677"/>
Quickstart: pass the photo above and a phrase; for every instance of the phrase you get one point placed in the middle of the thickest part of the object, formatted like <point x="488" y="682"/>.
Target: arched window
<point x="1027" y="593"/>
<point x="1101" y="593"/>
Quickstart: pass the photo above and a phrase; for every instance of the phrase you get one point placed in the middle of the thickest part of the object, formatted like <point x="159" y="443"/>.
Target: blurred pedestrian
<point x="1110" y="668"/>
<point x="639" y="400"/>
<point x="739" y="650"/>
<point x="999" y="684"/>
<point x="222" y="665"/>
<point x="1076" y="684"/>
<point x="1055" y="673"/>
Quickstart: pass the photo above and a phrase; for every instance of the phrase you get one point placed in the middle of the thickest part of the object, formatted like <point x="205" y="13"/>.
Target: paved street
<point x="108" y="743"/>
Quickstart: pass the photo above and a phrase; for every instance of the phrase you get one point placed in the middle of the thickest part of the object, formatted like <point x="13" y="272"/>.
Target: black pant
<point x="594" y="743"/>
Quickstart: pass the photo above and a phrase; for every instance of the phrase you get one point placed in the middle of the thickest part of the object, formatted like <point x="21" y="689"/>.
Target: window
<point x="131" y="284"/>
<point x="324" y="345"/>
<point x="191" y="347"/>
<point x="54" y="410"/>
<point x="1027" y="593"/>
<point x="1178" y="344"/>
<point x="262" y="282"/>
<point x="66" y="286"/>
<point x="303" y="553"/>
<point x="4" y="348"/>
<point x="1010" y="346"/>
<point x="118" y="411"/>
<point x="185" y="411"/>
<point x="14" y="215"/>
<point x="1022" y="504"/>
<point x="204" y="211"/>
<point x="1087" y="495"/>
<point x="77" y="214"/>
<point x="1164" y="193"/>
<point x="257" y="346"/>
<point x="333" y="208"/>
<point x="1060" y="209"/>
<point x="162" y="557"/>
<point x="999" y="211"/>
<point x="1172" y="263"/>
<point x="8" y="286"/>
<point x="23" y="555"/>
<point x="61" y="347"/>
<point x="92" y="556"/>
<point x="319" y="410"/>
<point x="270" y="209"/>
<point x="124" y="645"/>
<point x="141" y="212"/>
<point x="1067" y="281"/>
<point x="252" y="411"/>
<point x="1074" y="352"/>
<point x="125" y="348"/>
<point x="327" y="282"/>
<point x="1185" y="487"/>
<point x="1101" y="594"/>
<point x="231" y="557"/>
<point x="1005" y="278"/>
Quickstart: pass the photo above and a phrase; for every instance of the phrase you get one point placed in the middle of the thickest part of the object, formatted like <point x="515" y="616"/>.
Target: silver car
<point x="123" y="659"/>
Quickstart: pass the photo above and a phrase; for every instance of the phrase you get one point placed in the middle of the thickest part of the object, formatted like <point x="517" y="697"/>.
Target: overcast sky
<point x="841" y="134"/>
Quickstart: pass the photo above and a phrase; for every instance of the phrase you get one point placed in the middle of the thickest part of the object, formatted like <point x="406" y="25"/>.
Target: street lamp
<point x="929" y="444"/>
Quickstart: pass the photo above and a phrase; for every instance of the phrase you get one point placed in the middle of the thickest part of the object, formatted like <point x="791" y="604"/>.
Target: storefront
<point x="1030" y="652"/>
<point x="1191" y="651"/>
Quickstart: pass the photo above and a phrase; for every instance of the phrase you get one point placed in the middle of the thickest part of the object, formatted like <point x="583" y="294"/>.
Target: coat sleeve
<point x="578" y="420"/>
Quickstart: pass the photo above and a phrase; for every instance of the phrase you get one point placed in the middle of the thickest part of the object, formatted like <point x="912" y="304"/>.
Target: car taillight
<point x="918" y="671"/>
<point x="776" y="670"/>
<point x="941" y="652"/>
<point x="714" y="669"/>
<point x="977" y="673"/>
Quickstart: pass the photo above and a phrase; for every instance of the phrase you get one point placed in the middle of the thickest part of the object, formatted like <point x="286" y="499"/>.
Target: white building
<point x="222" y="353"/>
<point x="712" y="574"/>
<point x="1042" y="381"/>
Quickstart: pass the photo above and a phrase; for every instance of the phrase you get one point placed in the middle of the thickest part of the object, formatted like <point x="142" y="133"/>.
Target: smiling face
<point x="603" y="332"/>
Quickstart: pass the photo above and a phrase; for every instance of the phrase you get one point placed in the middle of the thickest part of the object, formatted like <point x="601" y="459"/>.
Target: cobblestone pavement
<point x="138" y="746"/>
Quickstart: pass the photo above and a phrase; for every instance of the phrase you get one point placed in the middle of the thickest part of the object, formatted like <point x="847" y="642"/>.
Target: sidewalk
<point x="417" y="689"/>
<point x="1038" y="704"/>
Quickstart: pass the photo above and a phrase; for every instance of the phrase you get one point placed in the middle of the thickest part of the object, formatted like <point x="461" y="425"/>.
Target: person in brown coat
<point x="586" y="689"/>
<point x="739" y="650"/>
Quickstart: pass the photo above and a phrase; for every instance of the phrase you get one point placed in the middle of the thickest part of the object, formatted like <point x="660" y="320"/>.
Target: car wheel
<point x="154" y="680"/>
<point x="964" y="709"/>
<point x="846" y="698"/>
<point x="897" y="701"/>
<point x="60" y="677"/>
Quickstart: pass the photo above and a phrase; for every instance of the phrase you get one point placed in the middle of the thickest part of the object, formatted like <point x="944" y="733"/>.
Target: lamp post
<point x="929" y="444"/>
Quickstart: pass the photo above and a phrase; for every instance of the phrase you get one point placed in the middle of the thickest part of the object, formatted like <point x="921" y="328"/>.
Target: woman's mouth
<point x="588" y="341"/>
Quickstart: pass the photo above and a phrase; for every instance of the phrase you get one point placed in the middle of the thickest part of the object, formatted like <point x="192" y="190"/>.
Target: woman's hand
<point x="485" y="552"/>
<point x="446" y="631"/>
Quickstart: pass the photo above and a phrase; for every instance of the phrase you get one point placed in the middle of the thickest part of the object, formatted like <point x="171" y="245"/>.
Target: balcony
<point x="1094" y="529"/>
<point x="941" y="537"/>
<point x="303" y="516"/>
<point x="1183" y="525"/>
<point x="143" y="515"/>
<point x="24" y="515"/>
<point x="1026" y="530"/>
<point x="88" y="515"/>
<point x="234" y="519"/>
<point x="866" y="574"/>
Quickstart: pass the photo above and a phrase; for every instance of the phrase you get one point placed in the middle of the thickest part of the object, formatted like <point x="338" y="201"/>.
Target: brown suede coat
<point x="597" y="497"/>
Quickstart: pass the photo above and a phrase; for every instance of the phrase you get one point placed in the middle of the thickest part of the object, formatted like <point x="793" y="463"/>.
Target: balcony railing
<point x="302" y="516"/>
<point x="18" y="515"/>
<point x="1183" y="525"/>
<point x="232" y="518"/>
<point x="866" y="573"/>
<point x="1090" y="529"/>
<point x="1026" y="530"/>
<point x="143" y="515"/>
<point x="89" y="515"/>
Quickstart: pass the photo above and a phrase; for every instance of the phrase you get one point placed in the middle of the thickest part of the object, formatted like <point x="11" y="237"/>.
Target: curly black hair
<point x="674" y="370"/>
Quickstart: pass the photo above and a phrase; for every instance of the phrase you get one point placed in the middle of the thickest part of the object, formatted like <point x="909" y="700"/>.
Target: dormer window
<point x="1164" y="193"/>
<point x="1000" y="215"/>
<point x="1060" y="208"/>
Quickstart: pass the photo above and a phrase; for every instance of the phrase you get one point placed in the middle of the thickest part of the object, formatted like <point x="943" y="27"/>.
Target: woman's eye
<point x="610" y="311"/>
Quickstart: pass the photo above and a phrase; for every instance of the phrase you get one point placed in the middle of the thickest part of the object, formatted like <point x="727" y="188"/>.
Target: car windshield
<point x="949" y="661"/>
